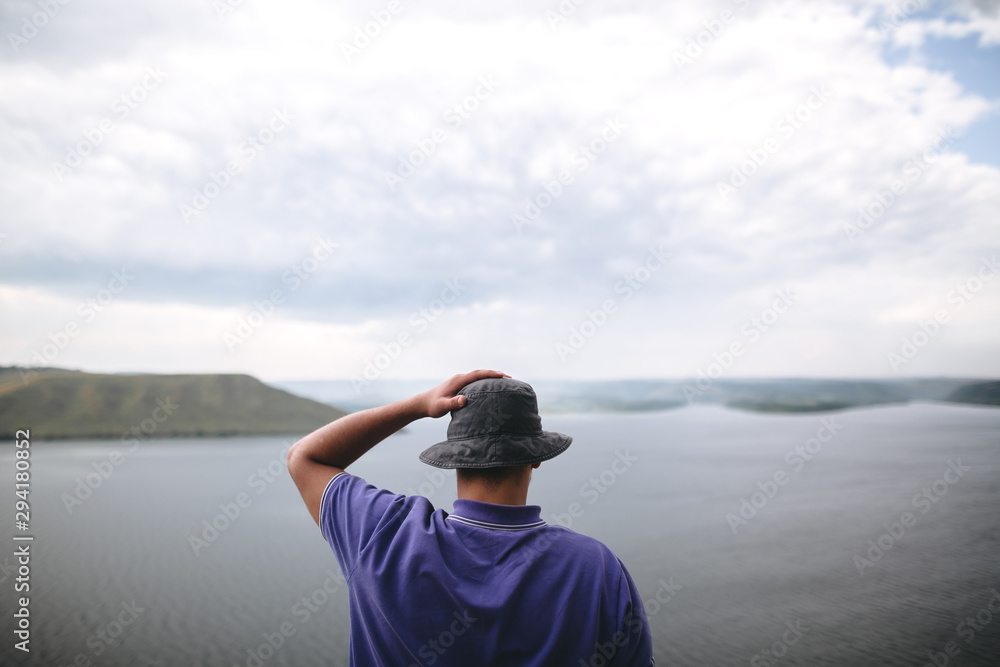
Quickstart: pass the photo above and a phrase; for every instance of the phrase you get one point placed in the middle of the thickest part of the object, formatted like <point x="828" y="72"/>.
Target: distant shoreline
<point x="791" y="395"/>
<point x="545" y="414"/>
<point x="60" y="404"/>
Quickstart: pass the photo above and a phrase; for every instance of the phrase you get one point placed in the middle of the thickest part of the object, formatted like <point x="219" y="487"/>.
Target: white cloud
<point x="655" y="184"/>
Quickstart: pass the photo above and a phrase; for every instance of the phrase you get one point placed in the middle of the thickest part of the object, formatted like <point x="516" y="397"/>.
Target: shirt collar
<point x="497" y="517"/>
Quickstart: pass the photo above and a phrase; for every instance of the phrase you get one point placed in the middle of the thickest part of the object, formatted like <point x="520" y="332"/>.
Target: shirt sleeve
<point x="634" y="636"/>
<point x="351" y="512"/>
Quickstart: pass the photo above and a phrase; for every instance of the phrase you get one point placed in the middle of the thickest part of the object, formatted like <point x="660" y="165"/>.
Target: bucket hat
<point x="498" y="426"/>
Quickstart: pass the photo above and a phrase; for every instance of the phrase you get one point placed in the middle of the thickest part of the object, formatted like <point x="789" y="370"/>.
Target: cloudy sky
<point x="308" y="189"/>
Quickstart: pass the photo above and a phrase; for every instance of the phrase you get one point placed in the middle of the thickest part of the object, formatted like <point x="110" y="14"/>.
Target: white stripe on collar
<point x="497" y="526"/>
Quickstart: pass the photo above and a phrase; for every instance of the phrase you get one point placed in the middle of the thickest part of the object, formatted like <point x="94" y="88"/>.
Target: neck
<point x="512" y="490"/>
<point x="498" y="496"/>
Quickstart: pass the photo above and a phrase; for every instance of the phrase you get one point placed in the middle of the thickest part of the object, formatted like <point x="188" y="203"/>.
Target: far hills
<point x="983" y="393"/>
<point x="758" y="395"/>
<point x="57" y="403"/>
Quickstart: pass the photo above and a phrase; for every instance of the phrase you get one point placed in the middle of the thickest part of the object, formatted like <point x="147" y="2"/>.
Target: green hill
<point x="983" y="393"/>
<point x="55" y="403"/>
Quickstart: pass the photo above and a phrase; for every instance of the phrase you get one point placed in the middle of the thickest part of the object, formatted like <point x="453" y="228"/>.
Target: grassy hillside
<point x="68" y="404"/>
<point x="983" y="393"/>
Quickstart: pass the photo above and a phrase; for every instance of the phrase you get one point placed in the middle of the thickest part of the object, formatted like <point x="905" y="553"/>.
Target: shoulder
<point x="349" y="499"/>
<point x="346" y="488"/>
<point x="577" y="547"/>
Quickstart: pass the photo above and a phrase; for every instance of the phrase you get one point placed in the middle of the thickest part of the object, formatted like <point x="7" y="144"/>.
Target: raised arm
<point x="315" y="459"/>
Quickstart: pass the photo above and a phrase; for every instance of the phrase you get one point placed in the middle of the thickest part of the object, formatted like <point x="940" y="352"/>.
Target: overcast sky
<point x="621" y="190"/>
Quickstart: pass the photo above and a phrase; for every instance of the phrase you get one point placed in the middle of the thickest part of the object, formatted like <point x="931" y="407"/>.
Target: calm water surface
<point x="715" y="595"/>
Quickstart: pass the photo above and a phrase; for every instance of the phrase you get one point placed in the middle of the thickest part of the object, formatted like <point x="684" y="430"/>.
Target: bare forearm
<point x="344" y="441"/>
<point x="317" y="458"/>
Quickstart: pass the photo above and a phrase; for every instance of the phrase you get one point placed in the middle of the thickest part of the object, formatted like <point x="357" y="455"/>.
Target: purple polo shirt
<point x="488" y="585"/>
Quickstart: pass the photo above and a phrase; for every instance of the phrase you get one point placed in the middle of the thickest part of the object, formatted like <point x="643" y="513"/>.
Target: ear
<point x="534" y="466"/>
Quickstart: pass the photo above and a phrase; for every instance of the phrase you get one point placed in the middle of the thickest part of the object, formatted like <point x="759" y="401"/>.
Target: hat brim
<point x="496" y="451"/>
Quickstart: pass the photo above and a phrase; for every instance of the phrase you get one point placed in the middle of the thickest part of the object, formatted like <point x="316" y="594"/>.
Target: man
<point x="488" y="585"/>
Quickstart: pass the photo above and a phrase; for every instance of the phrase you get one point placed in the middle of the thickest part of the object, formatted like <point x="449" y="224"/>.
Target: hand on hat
<point x="441" y="400"/>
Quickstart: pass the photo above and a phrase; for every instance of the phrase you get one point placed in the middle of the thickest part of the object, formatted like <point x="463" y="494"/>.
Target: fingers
<point x="480" y="374"/>
<point x="445" y="404"/>
<point x="451" y="386"/>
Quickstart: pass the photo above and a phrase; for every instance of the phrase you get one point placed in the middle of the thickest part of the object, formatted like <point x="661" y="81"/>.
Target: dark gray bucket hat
<point x="498" y="426"/>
